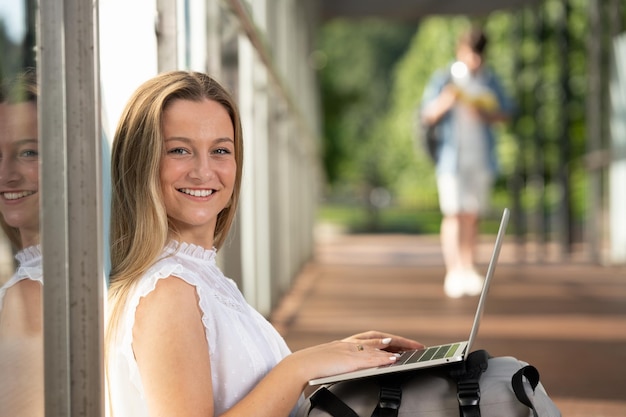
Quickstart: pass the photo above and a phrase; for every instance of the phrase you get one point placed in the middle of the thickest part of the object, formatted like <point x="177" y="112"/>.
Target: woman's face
<point x="198" y="167"/>
<point x="19" y="169"/>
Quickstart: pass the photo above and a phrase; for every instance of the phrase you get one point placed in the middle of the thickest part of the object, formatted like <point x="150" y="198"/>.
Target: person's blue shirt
<point x="447" y="150"/>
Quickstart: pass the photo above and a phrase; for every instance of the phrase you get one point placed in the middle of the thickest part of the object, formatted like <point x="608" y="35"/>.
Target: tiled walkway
<point x="567" y="319"/>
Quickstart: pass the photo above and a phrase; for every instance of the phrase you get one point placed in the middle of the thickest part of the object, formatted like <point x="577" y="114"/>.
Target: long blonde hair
<point x="139" y="223"/>
<point x="22" y="89"/>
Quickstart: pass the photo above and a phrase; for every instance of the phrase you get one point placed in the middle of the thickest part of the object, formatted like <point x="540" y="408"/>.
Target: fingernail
<point x="386" y="341"/>
<point x="393" y="358"/>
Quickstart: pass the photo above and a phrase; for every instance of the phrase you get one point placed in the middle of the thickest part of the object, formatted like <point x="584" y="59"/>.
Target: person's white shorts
<point x="464" y="193"/>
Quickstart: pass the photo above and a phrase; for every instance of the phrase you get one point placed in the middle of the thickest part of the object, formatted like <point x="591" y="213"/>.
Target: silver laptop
<point x="435" y="355"/>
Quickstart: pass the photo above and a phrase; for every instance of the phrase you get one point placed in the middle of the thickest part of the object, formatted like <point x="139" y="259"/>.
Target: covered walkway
<point x="569" y="320"/>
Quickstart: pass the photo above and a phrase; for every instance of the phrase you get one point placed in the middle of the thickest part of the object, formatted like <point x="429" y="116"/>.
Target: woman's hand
<point x="363" y="350"/>
<point x="291" y="375"/>
<point x="384" y="341"/>
<point x="340" y="356"/>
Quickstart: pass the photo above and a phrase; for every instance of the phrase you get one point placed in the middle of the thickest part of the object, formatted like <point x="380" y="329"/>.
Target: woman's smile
<point x="196" y="193"/>
<point x="16" y="195"/>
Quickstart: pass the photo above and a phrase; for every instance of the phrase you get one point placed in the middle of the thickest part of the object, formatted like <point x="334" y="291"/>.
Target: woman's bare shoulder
<point x="173" y="300"/>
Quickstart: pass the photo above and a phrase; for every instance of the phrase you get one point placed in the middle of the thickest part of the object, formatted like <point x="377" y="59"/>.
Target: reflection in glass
<point x="21" y="332"/>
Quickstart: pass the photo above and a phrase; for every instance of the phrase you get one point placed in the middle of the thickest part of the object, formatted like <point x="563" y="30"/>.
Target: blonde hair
<point x="139" y="222"/>
<point x="22" y="89"/>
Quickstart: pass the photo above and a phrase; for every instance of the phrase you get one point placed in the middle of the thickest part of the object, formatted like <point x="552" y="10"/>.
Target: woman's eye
<point x="30" y="153"/>
<point x="222" y="151"/>
<point x="177" y="151"/>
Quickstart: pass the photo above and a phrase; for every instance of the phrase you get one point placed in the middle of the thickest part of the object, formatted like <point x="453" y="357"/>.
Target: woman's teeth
<point x="15" y="196"/>
<point x="196" y="193"/>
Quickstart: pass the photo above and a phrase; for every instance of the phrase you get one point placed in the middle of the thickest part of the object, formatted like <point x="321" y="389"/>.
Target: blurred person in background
<point x="464" y="100"/>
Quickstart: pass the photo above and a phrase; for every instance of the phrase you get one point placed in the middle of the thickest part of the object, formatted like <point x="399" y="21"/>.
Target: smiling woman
<point x="21" y="336"/>
<point x="181" y="338"/>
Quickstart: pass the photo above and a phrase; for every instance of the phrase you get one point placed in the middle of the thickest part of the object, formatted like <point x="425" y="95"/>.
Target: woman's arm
<point x="170" y="346"/>
<point x="22" y="314"/>
<point x="171" y="350"/>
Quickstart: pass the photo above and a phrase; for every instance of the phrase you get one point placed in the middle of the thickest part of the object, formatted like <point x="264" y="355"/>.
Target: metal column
<point x="71" y="186"/>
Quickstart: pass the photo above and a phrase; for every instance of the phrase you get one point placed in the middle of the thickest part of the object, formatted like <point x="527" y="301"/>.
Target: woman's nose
<point x="203" y="168"/>
<point x="8" y="171"/>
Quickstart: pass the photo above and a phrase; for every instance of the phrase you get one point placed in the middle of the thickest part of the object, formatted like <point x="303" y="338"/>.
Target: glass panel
<point x="21" y="343"/>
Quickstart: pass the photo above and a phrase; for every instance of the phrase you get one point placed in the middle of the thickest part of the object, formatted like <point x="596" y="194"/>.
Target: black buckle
<point x="468" y="393"/>
<point x="390" y="398"/>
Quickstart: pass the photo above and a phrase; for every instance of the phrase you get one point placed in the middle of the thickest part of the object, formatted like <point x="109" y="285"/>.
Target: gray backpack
<point x="481" y="387"/>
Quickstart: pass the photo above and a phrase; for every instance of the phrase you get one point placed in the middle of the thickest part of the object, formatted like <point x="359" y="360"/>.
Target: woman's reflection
<point x="21" y="332"/>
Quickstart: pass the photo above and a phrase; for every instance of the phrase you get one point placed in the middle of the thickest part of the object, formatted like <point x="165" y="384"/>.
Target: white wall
<point x="128" y="53"/>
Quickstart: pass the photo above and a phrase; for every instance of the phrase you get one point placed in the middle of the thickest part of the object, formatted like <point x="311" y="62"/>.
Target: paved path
<point x="567" y="319"/>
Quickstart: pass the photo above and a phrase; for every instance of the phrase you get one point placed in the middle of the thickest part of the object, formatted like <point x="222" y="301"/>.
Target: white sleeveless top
<point x="22" y="358"/>
<point x="29" y="261"/>
<point x="243" y="345"/>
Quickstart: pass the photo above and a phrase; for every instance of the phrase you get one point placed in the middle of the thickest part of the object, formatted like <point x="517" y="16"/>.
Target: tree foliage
<point x="376" y="74"/>
<point x="355" y="83"/>
<point x="17" y="54"/>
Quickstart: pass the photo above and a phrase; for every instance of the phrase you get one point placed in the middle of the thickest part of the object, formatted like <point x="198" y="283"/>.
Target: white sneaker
<point x="473" y="283"/>
<point x="458" y="284"/>
<point x="454" y="284"/>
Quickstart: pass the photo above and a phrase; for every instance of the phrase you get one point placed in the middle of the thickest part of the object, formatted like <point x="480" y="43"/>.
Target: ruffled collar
<point x="29" y="255"/>
<point x="190" y="250"/>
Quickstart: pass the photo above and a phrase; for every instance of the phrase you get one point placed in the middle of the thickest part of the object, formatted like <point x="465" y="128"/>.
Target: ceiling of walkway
<point x="413" y="10"/>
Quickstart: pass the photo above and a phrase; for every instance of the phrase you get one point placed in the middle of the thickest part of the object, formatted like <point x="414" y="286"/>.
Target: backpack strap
<point x="324" y="399"/>
<point x="467" y="378"/>
<point x="389" y="398"/>
<point x="517" y="381"/>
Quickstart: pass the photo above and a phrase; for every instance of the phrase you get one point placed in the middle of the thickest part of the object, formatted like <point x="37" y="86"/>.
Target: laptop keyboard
<point x="422" y="355"/>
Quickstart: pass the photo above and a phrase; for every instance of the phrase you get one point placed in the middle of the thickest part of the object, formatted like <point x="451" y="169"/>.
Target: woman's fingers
<point x="386" y="341"/>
